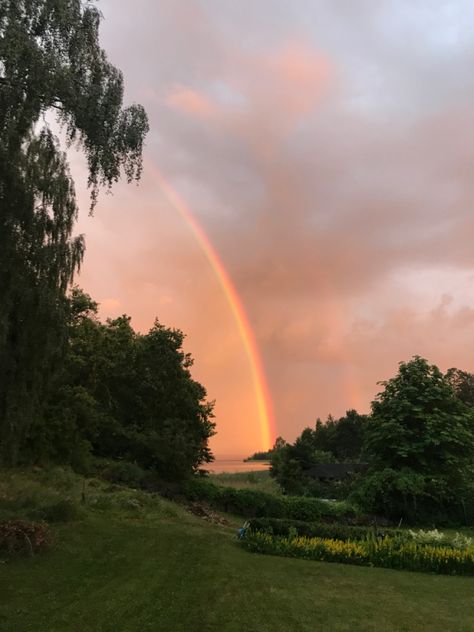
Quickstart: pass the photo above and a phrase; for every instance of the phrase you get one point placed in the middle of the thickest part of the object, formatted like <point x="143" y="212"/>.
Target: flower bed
<point x="386" y="553"/>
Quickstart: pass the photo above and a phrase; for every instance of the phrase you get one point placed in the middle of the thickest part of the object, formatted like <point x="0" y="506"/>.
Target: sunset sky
<point x="326" y="150"/>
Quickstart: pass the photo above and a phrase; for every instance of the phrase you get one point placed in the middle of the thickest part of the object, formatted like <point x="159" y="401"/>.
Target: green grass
<point x="156" y="567"/>
<point x="247" y="480"/>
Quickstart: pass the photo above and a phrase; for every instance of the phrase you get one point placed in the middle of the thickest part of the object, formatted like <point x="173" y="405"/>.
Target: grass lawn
<point x="123" y="569"/>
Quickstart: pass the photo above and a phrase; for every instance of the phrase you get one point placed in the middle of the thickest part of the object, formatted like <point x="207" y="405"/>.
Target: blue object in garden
<point x="243" y="530"/>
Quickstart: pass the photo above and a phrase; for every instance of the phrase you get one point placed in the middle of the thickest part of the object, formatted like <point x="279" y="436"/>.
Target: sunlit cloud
<point x="327" y="151"/>
<point x="189" y="102"/>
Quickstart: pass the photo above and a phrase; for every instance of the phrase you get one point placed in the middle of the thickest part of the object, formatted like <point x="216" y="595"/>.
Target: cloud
<point x="327" y="152"/>
<point x="189" y="102"/>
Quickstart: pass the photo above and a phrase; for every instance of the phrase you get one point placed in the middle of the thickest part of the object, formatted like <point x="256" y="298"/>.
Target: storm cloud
<point x="327" y="149"/>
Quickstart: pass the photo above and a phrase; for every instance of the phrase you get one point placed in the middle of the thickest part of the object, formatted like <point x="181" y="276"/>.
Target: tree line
<point x="123" y="395"/>
<point x="71" y="386"/>
<point x="417" y="445"/>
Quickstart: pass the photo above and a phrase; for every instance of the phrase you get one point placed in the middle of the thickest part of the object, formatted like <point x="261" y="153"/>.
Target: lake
<point x="235" y="464"/>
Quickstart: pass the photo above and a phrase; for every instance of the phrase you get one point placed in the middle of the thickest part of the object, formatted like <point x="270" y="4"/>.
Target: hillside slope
<point x="149" y="565"/>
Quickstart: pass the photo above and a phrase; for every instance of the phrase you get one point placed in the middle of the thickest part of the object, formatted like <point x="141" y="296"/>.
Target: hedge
<point x="255" y="503"/>
<point x="285" y="527"/>
<point x="385" y="553"/>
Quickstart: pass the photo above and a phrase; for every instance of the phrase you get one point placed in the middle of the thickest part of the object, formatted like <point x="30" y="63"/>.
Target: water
<point x="236" y="464"/>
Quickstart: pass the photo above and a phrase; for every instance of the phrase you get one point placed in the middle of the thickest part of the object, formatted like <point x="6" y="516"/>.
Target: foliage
<point x="342" y="437"/>
<point x="51" y="58"/>
<point x="436" y="538"/>
<point x="21" y="536"/>
<point x="419" y="447"/>
<point x="255" y="503"/>
<point x="462" y="541"/>
<point x="289" y="463"/>
<point x="462" y="383"/>
<point x="260" y="456"/>
<point x="282" y="527"/>
<point x="385" y="552"/>
<point x="125" y="396"/>
<point x="345" y="533"/>
<point x="50" y="61"/>
<point x="55" y="495"/>
<point x="63" y="510"/>
<point x="51" y="498"/>
<point x="432" y="536"/>
<point x="124" y="473"/>
<point x="37" y="261"/>
<point x="335" y="440"/>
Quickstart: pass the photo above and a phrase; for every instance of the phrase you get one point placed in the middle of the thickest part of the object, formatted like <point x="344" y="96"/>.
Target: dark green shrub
<point x="255" y="503"/>
<point x="201" y="489"/>
<point x="124" y="473"/>
<point x="62" y="479"/>
<point x="21" y="536"/>
<point x="168" y="489"/>
<point x="375" y="492"/>
<point x="285" y="527"/>
<point x="245" y="502"/>
<point x="63" y="510"/>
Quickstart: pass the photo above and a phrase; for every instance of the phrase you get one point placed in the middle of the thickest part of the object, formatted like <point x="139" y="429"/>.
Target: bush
<point x="124" y="473"/>
<point x="386" y="553"/>
<point x="438" y="538"/>
<point x="59" y="478"/>
<point x="255" y="503"/>
<point x="282" y="527"/>
<point x="33" y="496"/>
<point x="375" y="492"/>
<point x="461" y="541"/>
<point x="21" y="536"/>
<point x="61" y="511"/>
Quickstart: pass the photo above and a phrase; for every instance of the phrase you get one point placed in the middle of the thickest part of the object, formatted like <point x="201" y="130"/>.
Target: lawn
<point x="128" y="569"/>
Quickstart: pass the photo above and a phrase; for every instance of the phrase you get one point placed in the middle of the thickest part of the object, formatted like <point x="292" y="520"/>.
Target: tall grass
<point x="59" y="495"/>
<point x="260" y="480"/>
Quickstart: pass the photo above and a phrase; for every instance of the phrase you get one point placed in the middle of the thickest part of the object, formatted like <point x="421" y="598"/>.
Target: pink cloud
<point x="300" y="74"/>
<point x="320" y="203"/>
<point x="190" y="102"/>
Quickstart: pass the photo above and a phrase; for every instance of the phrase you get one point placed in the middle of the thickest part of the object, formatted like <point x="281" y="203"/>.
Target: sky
<point x="326" y="150"/>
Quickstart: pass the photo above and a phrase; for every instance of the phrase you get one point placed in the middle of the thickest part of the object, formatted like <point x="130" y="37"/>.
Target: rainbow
<point x="262" y="394"/>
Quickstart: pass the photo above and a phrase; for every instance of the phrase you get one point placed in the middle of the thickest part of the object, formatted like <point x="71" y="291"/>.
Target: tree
<point x="462" y="383"/>
<point x="50" y="61"/>
<point x="289" y="463"/>
<point x="342" y="437"/>
<point x="419" y="445"/>
<point x="164" y="418"/>
<point x="73" y="411"/>
<point x="124" y="395"/>
<point x="335" y="440"/>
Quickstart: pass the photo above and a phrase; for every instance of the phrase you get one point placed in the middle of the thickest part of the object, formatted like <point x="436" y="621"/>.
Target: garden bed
<point x="388" y="552"/>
